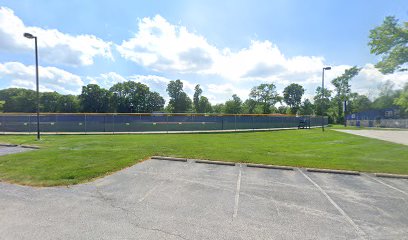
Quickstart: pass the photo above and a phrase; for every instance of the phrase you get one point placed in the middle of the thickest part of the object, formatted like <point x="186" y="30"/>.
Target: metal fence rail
<point x="115" y="122"/>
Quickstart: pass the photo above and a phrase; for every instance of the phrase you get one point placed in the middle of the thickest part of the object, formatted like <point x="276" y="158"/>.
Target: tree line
<point x="389" y="40"/>
<point x="136" y="97"/>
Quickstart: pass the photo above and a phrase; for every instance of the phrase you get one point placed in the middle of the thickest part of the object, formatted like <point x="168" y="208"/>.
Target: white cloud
<point x="51" y="78"/>
<point x="219" y="93"/>
<point x="106" y="80"/>
<point x="369" y="79"/>
<point x="54" y="46"/>
<point x="162" y="46"/>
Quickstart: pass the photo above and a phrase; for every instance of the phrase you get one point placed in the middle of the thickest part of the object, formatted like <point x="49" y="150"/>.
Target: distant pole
<point x="345" y="112"/>
<point x="131" y="107"/>
<point x="30" y="36"/>
<point x="325" y="68"/>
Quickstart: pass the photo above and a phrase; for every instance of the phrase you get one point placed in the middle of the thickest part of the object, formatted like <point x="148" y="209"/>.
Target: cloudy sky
<point x="225" y="46"/>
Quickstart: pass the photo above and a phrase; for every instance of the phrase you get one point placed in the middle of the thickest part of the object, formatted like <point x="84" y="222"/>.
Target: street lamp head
<point x="327" y="68"/>
<point x="29" y="35"/>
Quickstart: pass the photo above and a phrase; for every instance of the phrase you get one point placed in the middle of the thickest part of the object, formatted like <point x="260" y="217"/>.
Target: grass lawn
<point x="72" y="159"/>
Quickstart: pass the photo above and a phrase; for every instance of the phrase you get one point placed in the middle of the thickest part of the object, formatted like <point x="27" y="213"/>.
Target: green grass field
<point x="72" y="159"/>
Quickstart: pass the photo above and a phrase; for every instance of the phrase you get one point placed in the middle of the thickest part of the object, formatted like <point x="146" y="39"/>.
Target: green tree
<point x="219" y="108"/>
<point x="19" y="100"/>
<point x="204" y="106"/>
<point x="179" y="101"/>
<point x="68" y="104"/>
<point x="283" y="109"/>
<point x="402" y="100"/>
<point x="155" y="102"/>
<point x="251" y="106"/>
<point x="234" y="105"/>
<point x="343" y="90"/>
<point x="196" y="99"/>
<point x="135" y="96"/>
<point x="307" y="108"/>
<point x="386" y="97"/>
<point x="49" y="101"/>
<point x="95" y="99"/>
<point x="2" y="106"/>
<point x="201" y="103"/>
<point x="390" y="40"/>
<point x="292" y="95"/>
<point x="265" y="95"/>
<point x="322" y="103"/>
<point x="359" y="103"/>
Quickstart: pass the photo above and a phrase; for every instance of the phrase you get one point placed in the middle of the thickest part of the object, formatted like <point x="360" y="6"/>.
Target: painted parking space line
<point x="386" y="184"/>
<point x="360" y="232"/>
<point x="150" y="191"/>
<point x="238" y="189"/>
<point x="165" y="179"/>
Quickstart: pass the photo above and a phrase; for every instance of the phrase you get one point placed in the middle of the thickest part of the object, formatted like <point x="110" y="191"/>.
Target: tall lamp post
<point x="325" y="68"/>
<point x="131" y="107"/>
<point x="30" y="36"/>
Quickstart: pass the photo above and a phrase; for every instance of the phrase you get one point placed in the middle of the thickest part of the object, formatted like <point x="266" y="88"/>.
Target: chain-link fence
<point x="117" y="123"/>
<point x="382" y="123"/>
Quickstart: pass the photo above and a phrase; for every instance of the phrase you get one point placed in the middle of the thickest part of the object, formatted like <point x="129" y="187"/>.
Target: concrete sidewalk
<point x="395" y="136"/>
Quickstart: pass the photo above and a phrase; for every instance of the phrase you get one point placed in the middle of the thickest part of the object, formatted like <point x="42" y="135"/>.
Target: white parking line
<point x="162" y="182"/>
<point x="237" y="193"/>
<point x="360" y="232"/>
<point x="150" y="191"/>
<point x="386" y="184"/>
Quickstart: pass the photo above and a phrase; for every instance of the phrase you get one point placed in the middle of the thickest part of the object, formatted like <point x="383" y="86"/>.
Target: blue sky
<point x="225" y="46"/>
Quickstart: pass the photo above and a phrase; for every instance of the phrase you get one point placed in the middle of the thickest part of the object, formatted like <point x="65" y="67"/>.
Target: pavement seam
<point x="360" y="232"/>
<point x="238" y="189"/>
<point x="386" y="184"/>
<point x="150" y="191"/>
<point x="110" y="201"/>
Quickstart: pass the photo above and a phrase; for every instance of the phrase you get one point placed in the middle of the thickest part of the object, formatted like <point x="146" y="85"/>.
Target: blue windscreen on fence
<point x="111" y="122"/>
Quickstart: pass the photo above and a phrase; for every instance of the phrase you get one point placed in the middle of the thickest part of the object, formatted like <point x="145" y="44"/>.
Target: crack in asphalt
<point x="110" y="202"/>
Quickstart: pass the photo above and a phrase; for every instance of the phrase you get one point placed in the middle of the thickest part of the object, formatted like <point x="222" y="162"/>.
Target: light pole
<point x="30" y="36"/>
<point x="131" y="107"/>
<point x="325" y="68"/>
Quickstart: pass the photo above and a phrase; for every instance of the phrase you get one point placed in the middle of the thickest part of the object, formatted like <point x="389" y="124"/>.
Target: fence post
<point x="56" y="123"/>
<point x="85" y="123"/>
<point x="167" y="123"/>
<point x="235" y="122"/>
<point x="2" y="124"/>
<point x="29" y="124"/>
<point x="113" y="124"/>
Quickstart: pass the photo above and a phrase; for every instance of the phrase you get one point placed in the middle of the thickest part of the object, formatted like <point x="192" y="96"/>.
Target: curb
<point x="215" y="162"/>
<point x="269" y="166"/>
<point x="169" y="159"/>
<point x="388" y="175"/>
<point x="32" y="147"/>
<point x="332" y="171"/>
<point x="8" y="145"/>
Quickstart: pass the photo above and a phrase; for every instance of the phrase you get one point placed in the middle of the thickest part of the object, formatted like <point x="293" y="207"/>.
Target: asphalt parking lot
<point x="159" y="199"/>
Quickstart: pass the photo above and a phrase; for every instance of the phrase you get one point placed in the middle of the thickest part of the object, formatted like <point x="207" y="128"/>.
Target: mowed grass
<point x="72" y="159"/>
